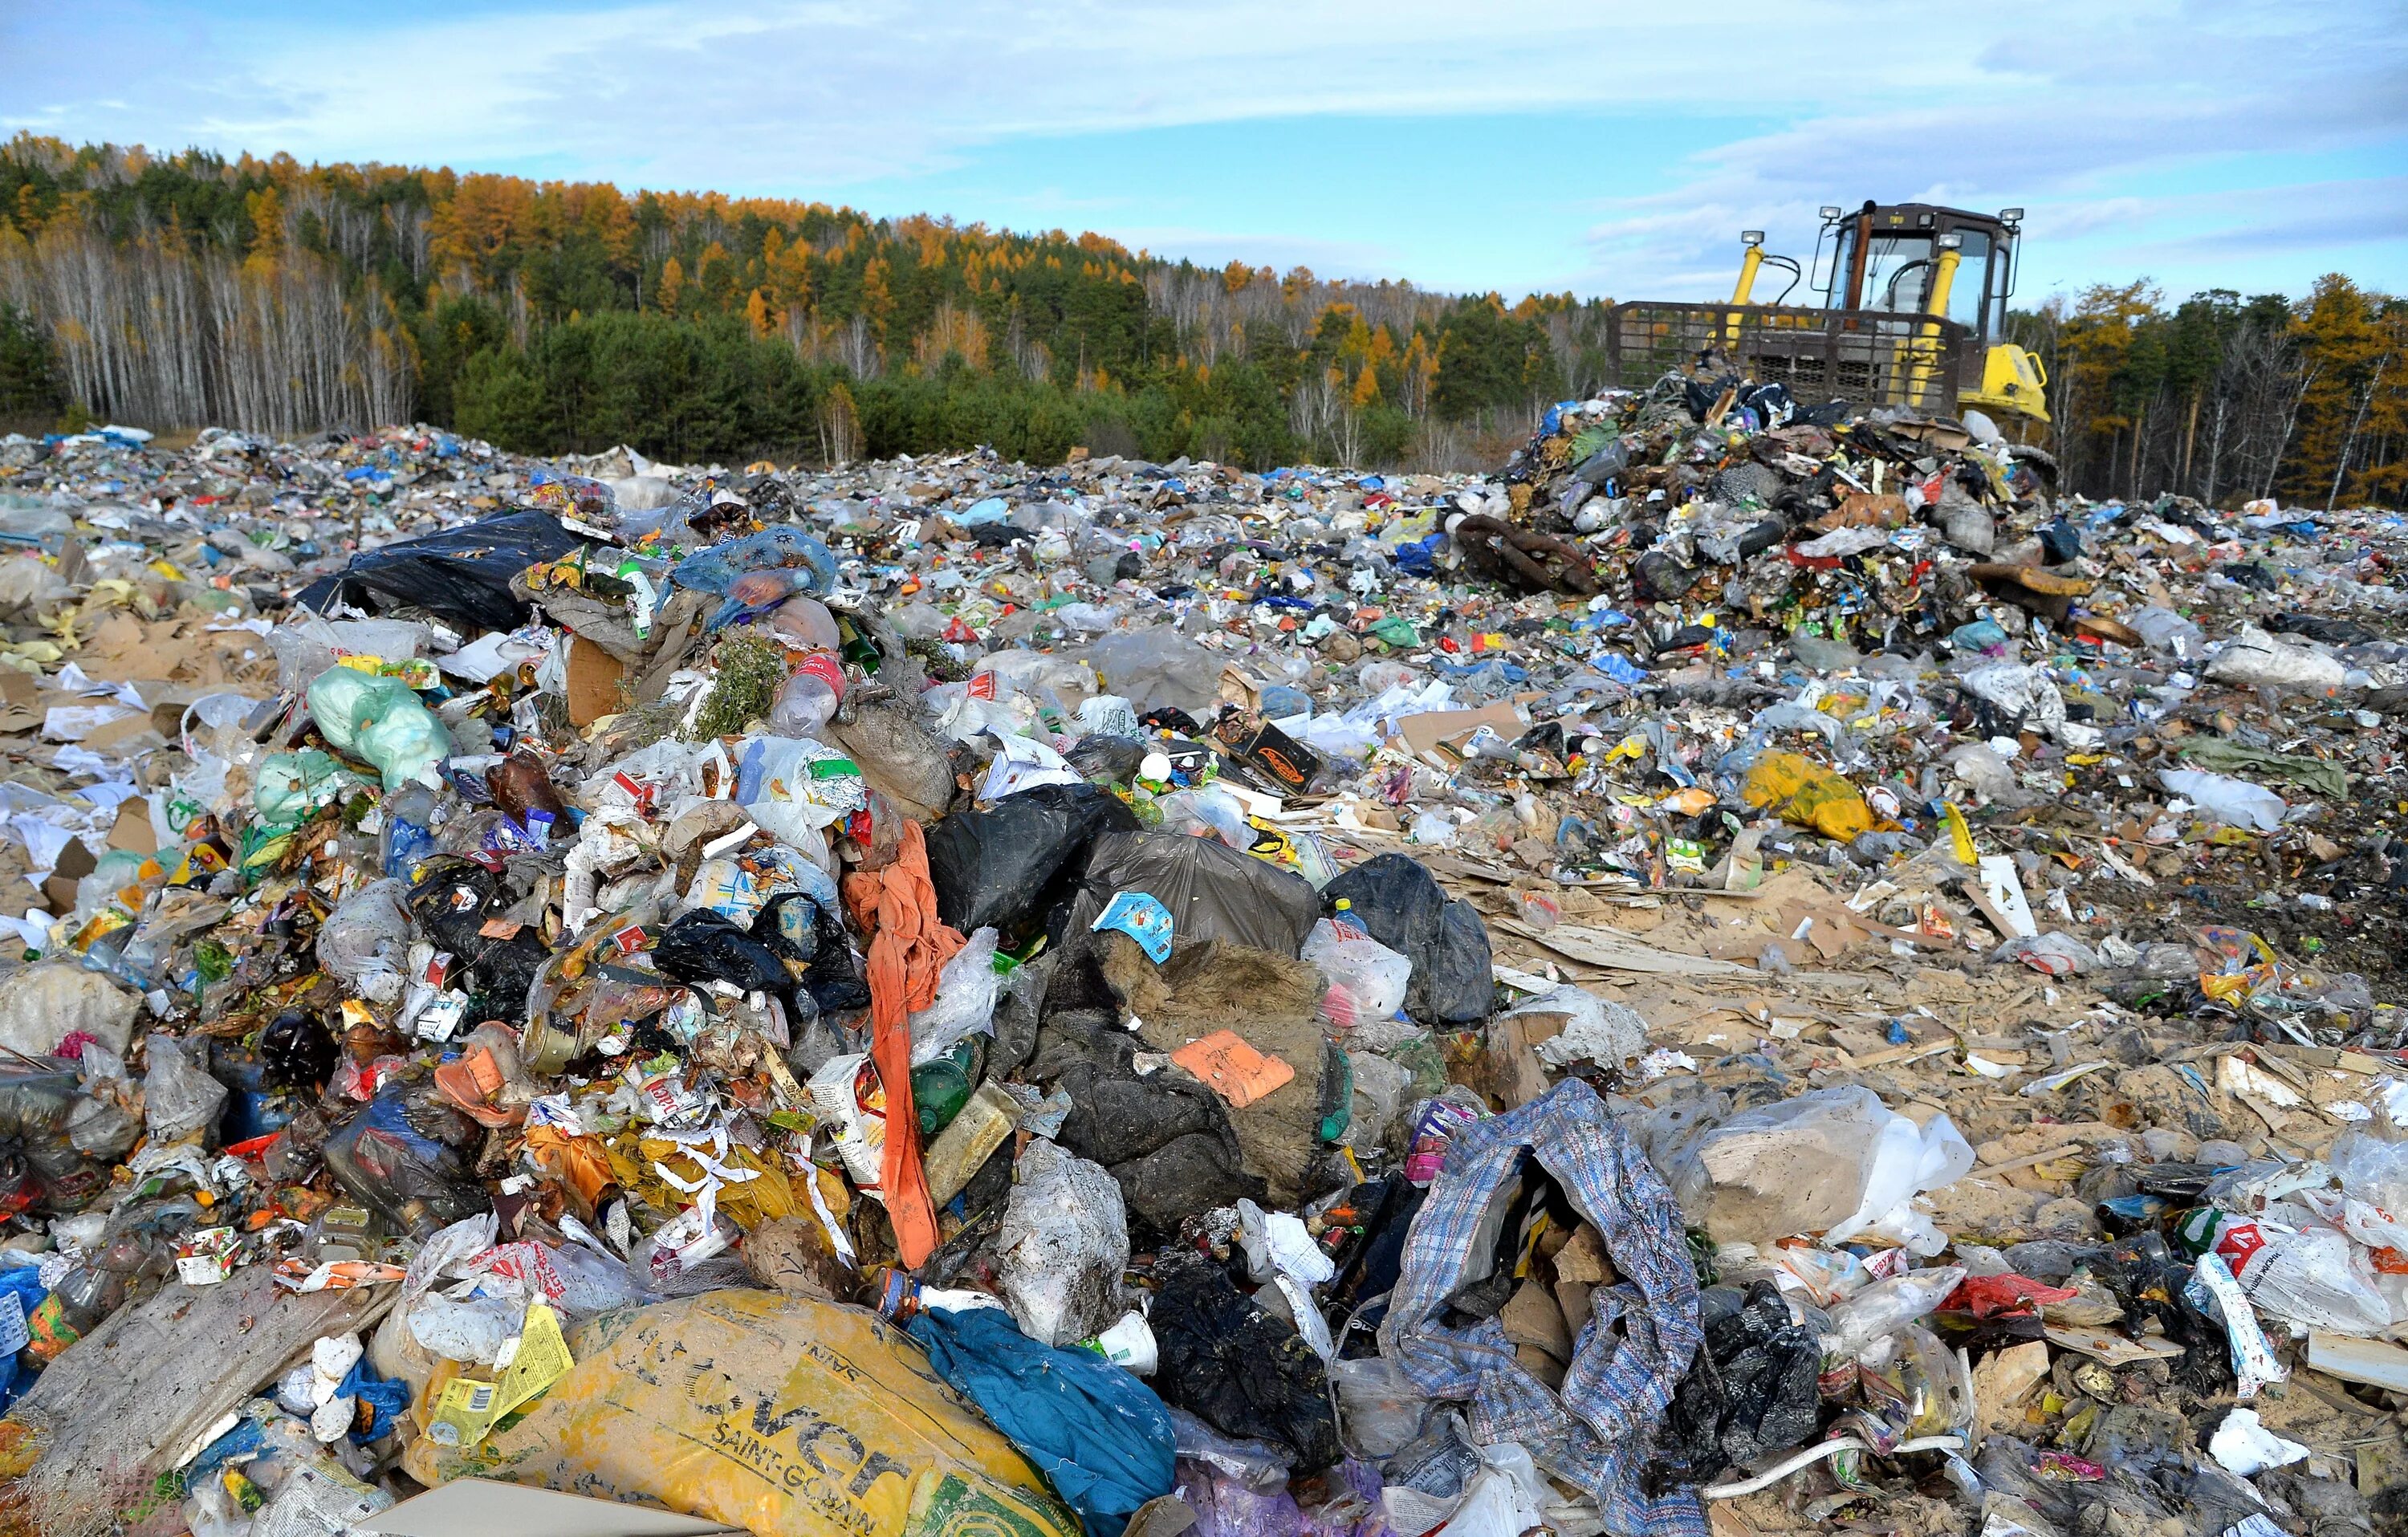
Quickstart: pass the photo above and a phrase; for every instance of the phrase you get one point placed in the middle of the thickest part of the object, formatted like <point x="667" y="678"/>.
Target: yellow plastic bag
<point x="639" y="1161"/>
<point x="781" y="1415"/>
<point x="1806" y="794"/>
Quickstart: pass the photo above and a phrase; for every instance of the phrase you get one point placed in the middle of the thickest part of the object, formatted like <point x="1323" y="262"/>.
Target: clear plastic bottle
<point x="408" y="829"/>
<point x="83" y="1296"/>
<point x="806" y="700"/>
<point x="1886" y="1307"/>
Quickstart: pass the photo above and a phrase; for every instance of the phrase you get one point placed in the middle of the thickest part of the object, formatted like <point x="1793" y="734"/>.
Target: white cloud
<point x="2081" y="112"/>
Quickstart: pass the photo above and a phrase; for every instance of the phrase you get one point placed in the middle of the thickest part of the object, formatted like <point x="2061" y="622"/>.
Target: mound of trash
<point x="1757" y="963"/>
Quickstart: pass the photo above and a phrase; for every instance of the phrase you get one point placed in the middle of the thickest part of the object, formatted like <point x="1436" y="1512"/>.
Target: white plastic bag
<point x="179" y="1096"/>
<point x="1505" y="1498"/>
<point x="1063" y="1245"/>
<point x="791" y="787"/>
<point x="2235" y="803"/>
<point x="469" y="1333"/>
<point x="1835" y="1160"/>
<point x="966" y="989"/>
<point x="1594" y="1030"/>
<point x="2255" y="659"/>
<point x="2315" y="1278"/>
<point x="1379" y="1409"/>
<point x="1367" y="979"/>
<point x="365" y="942"/>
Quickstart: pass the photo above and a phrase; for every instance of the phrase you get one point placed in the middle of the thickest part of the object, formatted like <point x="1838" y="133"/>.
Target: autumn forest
<point x="179" y="291"/>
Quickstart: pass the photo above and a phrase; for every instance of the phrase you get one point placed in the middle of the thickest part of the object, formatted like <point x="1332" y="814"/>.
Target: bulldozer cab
<point x="1889" y="260"/>
<point x="1913" y="312"/>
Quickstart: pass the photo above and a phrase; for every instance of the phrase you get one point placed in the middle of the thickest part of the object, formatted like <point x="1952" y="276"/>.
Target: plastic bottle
<point x="1885" y="1307"/>
<point x="806" y="623"/>
<point x="806" y="700"/>
<point x="83" y="1296"/>
<point x="408" y="829"/>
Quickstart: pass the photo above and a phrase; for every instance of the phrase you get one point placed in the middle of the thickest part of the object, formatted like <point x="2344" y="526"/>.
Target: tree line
<point x="2226" y="399"/>
<point x="552" y="317"/>
<point x="548" y="317"/>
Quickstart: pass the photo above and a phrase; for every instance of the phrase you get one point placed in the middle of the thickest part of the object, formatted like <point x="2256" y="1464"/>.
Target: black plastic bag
<point x="2333" y="632"/>
<point x="1165" y="1137"/>
<point x="1009" y="866"/>
<point x="451" y="902"/>
<point x="1399" y="903"/>
<point x="801" y="933"/>
<point x="1751" y="1391"/>
<point x="398" y="1157"/>
<point x="706" y="946"/>
<point x="1099" y="758"/>
<point x="1184" y="1177"/>
<point x="1214" y="891"/>
<point x="298" y="1051"/>
<point x="461" y="575"/>
<point x="1237" y="1367"/>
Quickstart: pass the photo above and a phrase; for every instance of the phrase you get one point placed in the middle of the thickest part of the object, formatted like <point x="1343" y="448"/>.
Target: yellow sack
<point x="781" y="1415"/>
<point x="1806" y="794"/>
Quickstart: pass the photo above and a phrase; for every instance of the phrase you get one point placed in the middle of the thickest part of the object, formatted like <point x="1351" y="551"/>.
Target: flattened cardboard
<point x="593" y="679"/>
<point x="1423" y="732"/>
<point x="131" y="831"/>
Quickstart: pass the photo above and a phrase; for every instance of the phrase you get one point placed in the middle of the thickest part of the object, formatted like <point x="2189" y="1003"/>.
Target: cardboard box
<point x="593" y="679"/>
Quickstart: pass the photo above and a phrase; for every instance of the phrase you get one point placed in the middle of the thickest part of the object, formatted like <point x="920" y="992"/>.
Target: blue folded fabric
<point x="1098" y="1434"/>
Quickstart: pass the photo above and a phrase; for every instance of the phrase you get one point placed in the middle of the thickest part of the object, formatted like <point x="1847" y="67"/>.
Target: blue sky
<point x="1610" y="149"/>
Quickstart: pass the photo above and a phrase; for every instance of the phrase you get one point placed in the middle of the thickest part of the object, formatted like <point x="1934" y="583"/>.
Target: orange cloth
<point x="909" y="944"/>
<point x="581" y="1164"/>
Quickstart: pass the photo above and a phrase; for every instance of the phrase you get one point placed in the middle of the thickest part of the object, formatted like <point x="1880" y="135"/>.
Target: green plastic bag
<point x="379" y="720"/>
<point x="291" y="786"/>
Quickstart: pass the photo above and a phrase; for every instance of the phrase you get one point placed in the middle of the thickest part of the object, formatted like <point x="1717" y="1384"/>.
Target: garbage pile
<point x="1755" y="966"/>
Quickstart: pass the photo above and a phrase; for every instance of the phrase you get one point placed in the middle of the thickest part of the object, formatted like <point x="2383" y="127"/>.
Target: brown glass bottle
<point x="520" y="785"/>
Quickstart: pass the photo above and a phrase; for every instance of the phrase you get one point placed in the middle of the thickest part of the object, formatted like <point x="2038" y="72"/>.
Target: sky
<point x="1607" y="147"/>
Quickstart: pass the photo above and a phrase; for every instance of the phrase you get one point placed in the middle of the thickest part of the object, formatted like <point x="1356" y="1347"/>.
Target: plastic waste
<point x="380" y="721"/>
<point x="1835" y="1161"/>
<point x="461" y="575"/>
<point x="966" y="989"/>
<point x="1885" y="1307"/>
<point x="179" y="1096"/>
<point x="2255" y="659"/>
<point x="1006" y="868"/>
<point x="1367" y="980"/>
<point x="808" y="697"/>
<point x="1062" y="1246"/>
<point x="1378" y="1405"/>
<point x="364" y="942"/>
<point x="2233" y="801"/>
<point x="1398" y="903"/>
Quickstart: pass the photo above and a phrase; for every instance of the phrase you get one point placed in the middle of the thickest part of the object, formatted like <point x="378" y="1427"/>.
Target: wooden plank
<point x="120" y="1406"/>
<point x="1619" y="951"/>
<point x="2113" y="1349"/>
<point x="2352" y="1359"/>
